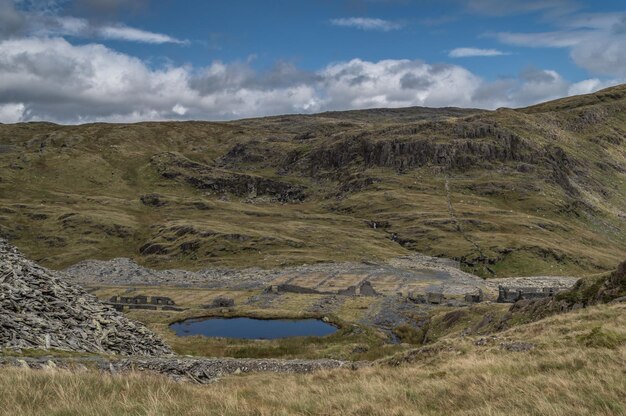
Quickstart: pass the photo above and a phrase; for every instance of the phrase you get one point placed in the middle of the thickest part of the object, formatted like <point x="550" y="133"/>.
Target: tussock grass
<point x="583" y="382"/>
<point x="560" y="377"/>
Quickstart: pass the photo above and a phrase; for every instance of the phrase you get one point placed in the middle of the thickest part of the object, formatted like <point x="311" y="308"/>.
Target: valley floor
<point x="570" y="364"/>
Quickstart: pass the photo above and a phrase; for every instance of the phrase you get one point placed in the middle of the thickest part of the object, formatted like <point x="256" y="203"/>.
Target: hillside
<point x="570" y="364"/>
<point x="540" y="190"/>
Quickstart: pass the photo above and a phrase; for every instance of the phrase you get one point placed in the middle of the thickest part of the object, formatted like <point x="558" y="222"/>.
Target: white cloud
<point x="396" y="83"/>
<point x="42" y="19"/>
<point x="51" y="79"/>
<point x="122" y="32"/>
<point x="602" y="53"/>
<point x="78" y="27"/>
<point x="597" y="42"/>
<point x="559" y="39"/>
<point x="366" y="23"/>
<point x="590" y="85"/>
<point x="11" y="112"/>
<point x="180" y="110"/>
<point x="474" y="52"/>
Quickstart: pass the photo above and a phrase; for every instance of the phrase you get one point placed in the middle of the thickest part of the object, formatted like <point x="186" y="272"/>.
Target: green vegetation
<point x="602" y="338"/>
<point x="353" y="341"/>
<point x="532" y="191"/>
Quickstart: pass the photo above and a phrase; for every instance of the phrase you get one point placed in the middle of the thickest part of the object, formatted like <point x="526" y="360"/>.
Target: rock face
<point x="174" y="166"/>
<point x="400" y="155"/>
<point x="41" y="311"/>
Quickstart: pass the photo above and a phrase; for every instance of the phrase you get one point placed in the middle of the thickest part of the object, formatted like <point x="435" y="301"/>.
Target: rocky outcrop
<point x="39" y="310"/>
<point x="403" y="154"/>
<point x="173" y="166"/>
<point x="257" y="152"/>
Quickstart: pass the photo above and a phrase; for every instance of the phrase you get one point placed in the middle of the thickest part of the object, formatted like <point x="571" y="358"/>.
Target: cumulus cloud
<point x="532" y="85"/>
<point x="396" y="83"/>
<point x="366" y="23"/>
<point x="52" y="79"/>
<point x="55" y="80"/>
<point x="11" y="113"/>
<point x="474" y="52"/>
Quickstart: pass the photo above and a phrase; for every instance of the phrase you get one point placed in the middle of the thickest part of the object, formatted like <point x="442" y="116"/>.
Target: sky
<point x="78" y="61"/>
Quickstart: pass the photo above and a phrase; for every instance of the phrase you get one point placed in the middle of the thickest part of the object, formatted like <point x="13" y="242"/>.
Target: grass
<point x="353" y="341"/>
<point x="552" y="205"/>
<point x="562" y="376"/>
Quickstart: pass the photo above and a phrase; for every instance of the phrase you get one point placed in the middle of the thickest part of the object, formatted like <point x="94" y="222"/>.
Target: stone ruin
<point x="475" y="297"/>
<point x="143" y="302"/>
<point x="432" y="298"/>
<point x="513" y="294"/>
<point x="363" y="288"/>
<point x="39" y="310"/>
<point x="438" y="298"/>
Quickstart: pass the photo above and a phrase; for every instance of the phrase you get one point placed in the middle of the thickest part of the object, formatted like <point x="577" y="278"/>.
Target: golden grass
<point x="562" y="376"/>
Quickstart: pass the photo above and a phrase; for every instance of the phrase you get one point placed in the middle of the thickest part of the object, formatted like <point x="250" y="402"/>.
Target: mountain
<point x="537" y="190"/>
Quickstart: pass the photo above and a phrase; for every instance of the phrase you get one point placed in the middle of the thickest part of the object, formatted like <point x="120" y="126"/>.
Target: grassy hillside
<point x="570" y="364"/>
<point x="540" y="190"/>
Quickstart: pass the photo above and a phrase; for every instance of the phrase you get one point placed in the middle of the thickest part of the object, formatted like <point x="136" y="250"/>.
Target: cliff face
<point x="402" y="155"/>
<point x="173" y="166"/>
<point x="510" y="192"/>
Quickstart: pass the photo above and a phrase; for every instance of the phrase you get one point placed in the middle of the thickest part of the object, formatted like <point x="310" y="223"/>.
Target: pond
<point x="251" y="328"/>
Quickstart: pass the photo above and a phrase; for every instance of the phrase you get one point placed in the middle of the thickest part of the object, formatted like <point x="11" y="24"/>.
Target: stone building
<point x="513" y="294"/>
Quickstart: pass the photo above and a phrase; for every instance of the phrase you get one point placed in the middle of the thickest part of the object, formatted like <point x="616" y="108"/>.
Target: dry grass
<point x="562" y="376"/>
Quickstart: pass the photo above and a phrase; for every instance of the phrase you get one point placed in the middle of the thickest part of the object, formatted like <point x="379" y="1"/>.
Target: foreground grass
<point x="565" y="375"/>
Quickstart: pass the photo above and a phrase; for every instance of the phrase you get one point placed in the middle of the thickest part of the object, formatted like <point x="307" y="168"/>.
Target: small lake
<point x="250" y="328"/>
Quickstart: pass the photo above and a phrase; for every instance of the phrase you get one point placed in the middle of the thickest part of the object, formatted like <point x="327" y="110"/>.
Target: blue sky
<point x="74" y="61"/>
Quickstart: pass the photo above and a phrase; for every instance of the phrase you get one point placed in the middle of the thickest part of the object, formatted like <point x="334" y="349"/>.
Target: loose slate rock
<point x="38" y="310"/>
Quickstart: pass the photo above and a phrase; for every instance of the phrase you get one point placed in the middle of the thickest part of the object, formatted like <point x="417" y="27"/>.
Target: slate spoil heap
<point x="40" y="311"/>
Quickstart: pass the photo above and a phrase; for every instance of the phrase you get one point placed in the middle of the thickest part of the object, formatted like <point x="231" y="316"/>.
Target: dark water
<point x="250" y="328"/>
